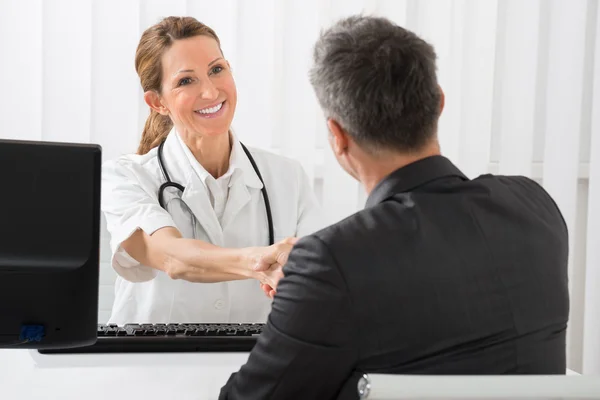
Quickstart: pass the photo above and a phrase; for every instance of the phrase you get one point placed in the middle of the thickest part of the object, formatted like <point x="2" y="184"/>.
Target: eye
<point x="184" y="81"/>
<point x="216" y="69"/>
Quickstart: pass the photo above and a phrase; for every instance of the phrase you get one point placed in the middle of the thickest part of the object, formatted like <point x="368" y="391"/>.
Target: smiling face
<point x="198" y="91"/>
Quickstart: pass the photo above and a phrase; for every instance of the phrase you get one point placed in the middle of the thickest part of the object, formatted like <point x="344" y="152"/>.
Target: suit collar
<point x="412" y="176"/>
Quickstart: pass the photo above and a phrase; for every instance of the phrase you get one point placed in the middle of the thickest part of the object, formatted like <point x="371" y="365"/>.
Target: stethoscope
<point x="176" y="185"/>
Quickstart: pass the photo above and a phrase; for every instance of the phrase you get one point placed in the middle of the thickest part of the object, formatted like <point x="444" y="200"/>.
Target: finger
<point x="282" y="257"/>
<point x="268" y="289"/>
<point x="290" y="240"/>
<point x="272" y="294"/>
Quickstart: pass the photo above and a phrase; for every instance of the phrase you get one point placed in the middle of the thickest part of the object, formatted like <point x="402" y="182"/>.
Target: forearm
<point x="200" y="261"/>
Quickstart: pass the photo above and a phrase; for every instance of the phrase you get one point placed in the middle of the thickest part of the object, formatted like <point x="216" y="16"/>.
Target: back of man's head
<point x="378" y="82"/>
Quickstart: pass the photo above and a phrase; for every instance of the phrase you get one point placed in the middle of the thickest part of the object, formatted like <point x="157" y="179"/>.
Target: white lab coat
<point x="130" y="201"/>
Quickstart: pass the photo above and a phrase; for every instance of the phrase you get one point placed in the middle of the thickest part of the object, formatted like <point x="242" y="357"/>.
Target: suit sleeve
<point x="307" y="349"/>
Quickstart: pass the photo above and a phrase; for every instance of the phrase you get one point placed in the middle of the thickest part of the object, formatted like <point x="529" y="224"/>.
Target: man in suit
<point x="439" y="274"/>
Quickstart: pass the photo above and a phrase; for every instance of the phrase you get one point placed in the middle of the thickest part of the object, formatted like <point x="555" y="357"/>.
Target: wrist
<point x="244" y="263"/>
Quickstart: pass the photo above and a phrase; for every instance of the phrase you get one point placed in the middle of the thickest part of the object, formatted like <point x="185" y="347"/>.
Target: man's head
<point x="377" y="85"/>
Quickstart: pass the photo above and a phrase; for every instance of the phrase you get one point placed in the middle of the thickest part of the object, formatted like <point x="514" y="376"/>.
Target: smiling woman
<point x="197" y="93"/>
<point x="189" y="244"/>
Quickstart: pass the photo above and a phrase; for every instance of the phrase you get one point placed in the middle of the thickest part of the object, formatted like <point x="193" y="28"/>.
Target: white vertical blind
<point x="21" y="78"/>
<point x="67" y="66"/>
<point x="563" y="108"/>
<point x="299" y="111"/>
<point x="477" y="91"/>
<point x="591" y="331"/>
<point x="115" y="86"/>
<point x="254" y="71"/>
<point x="517" y="67"/>
<point x="517" y="75"/>
<point x="442" y="22"/>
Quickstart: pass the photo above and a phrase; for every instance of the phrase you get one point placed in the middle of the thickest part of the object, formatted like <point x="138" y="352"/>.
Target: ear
<point x="442" y="100"/>
<point x="153" y="100"/>
<point x="338" y="137"/>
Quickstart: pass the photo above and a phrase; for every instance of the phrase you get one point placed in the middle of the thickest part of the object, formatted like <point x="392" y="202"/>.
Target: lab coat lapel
<point x="242" y="183"/>
<point x="196" y="198"/>
<point x="239" y="197"/>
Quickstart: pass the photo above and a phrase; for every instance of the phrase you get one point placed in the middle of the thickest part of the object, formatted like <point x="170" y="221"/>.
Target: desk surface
<point x="28" y="375"/>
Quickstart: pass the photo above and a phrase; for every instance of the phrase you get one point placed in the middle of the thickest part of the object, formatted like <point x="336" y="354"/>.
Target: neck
<point x="212" y="152"/>
<point x="372" y="169"/>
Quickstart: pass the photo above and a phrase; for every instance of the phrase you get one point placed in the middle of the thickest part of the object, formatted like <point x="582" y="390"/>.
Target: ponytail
<point x="156" y="129"/>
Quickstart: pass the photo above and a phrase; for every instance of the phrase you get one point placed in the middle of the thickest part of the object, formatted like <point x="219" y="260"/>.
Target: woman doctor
<point x="189" y="214"/>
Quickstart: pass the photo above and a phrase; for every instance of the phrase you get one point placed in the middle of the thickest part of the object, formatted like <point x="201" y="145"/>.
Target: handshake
<point x="267" y="263"/>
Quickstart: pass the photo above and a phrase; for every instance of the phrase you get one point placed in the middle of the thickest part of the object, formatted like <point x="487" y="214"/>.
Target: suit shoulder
<point x="512" y="182"/>
<point x="527" y="191"/>
<point x="362" y="225"/>
<point x="517" y="184"/>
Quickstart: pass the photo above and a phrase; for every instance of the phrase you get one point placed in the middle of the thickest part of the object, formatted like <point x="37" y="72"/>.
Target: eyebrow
<point x="191" y="70"/>
<point x="214" y="61"/>
<point x="181" y="71"/>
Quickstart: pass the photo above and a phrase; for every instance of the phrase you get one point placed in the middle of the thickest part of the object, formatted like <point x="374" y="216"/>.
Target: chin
<point x="213" y="131"/>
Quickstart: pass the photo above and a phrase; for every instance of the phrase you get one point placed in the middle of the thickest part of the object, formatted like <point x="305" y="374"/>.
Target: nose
<point x="208" y="91"/>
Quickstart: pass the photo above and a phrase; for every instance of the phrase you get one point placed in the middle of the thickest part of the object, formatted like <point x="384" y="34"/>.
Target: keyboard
<point x="159" y="338"/>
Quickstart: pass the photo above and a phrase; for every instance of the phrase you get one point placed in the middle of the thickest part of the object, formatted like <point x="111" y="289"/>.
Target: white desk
<point x="28" y="375"/>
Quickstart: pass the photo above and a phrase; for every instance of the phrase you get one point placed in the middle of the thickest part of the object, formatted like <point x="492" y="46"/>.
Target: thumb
<point x="262" y="264"/>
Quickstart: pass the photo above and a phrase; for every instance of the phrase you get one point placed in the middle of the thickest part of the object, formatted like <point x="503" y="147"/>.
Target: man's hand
<point x="270" y="263"/>
<point x="272" y="278"/>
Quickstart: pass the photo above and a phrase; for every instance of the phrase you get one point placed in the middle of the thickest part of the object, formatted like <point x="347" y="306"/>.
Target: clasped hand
<point x="268" y="264"/>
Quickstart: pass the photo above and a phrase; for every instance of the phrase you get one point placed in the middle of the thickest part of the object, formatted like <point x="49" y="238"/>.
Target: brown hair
<point x="154" y="42"/>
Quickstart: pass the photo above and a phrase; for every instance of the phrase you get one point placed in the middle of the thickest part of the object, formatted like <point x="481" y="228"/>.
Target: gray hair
<point x="378" y="81"/>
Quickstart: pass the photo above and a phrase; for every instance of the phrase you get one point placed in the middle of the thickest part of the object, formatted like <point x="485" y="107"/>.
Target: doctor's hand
<point x="277" y="254"/>
<point x="270" y="262"/>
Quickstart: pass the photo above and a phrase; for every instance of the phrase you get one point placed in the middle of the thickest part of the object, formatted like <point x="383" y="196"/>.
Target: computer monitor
<point x="49" y="244"/>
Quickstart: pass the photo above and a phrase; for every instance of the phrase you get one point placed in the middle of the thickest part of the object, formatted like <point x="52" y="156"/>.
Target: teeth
<point x="211" y="110"/>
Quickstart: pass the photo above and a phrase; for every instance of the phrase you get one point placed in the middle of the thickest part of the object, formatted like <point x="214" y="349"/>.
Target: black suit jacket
<point x="437" y="275"/>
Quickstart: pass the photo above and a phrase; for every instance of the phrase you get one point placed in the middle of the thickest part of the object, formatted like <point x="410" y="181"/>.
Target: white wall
<point x="520" y="76"/>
